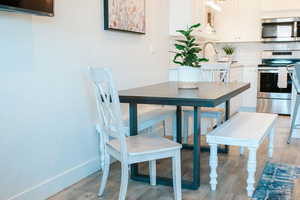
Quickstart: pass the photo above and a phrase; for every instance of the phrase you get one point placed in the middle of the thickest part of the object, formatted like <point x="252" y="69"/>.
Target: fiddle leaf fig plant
<point x="188" y="50"/>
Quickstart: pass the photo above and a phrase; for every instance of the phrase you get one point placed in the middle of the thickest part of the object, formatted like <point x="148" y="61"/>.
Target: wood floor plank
<point x="231" y="170"/>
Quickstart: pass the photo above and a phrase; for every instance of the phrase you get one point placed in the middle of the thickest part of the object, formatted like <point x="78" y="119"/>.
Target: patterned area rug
<point x="277" y="182"/>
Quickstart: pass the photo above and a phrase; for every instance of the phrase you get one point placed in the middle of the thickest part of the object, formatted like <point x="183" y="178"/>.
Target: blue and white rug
<point x="277" y="182"/>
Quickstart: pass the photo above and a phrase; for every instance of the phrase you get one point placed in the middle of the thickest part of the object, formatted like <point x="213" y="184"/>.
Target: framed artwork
<point x="125" y="15"/>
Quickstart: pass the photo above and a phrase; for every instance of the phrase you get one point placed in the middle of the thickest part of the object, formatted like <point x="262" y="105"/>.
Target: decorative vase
<point x="188" y="77"/>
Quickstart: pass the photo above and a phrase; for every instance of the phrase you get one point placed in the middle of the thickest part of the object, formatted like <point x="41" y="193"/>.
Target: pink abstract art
<point x="125" y="15"/>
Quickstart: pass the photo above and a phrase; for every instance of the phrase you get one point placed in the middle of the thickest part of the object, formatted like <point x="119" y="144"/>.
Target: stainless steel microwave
<point x="281" y="29"/>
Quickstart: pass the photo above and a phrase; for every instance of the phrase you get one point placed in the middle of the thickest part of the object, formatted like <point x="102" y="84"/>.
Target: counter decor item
<point x="229" y="51"/>
<point x="187" y="56"/>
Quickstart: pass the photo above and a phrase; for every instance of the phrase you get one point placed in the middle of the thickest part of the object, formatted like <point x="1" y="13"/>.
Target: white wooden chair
<point x="209" y="73"/>
<point x="296" y="83"/>
<point x="128" y="150"/>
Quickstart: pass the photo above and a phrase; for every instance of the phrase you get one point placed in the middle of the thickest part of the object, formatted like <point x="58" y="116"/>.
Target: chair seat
<point x="143" y="144"/>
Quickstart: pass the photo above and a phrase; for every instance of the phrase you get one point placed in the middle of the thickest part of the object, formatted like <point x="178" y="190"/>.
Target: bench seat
<point x="243" y="130"/>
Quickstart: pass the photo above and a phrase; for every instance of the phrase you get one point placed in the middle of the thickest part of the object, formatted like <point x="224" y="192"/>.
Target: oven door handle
<point x="268" y="71"/>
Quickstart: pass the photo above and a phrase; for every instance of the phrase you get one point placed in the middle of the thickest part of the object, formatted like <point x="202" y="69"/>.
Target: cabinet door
<point x="184" y="13"/>
<point x="180" y="15"/>
<point x="277" y="5"/>
<point x="239" y="21"/>
<point x="249" y="23"/>
<point x="250" y="95"/>
<point x="226" y="21"/>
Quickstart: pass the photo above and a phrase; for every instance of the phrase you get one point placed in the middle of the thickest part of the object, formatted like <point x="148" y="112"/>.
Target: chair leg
<point x="242" y="151"/>
<point x="152" y="170"/>
<point x="219" y="120"/>
<point x="251" y="171"/>
<point x="104" y="178"/>
<point x="176" y="165"/>
<point x="174" y="127"/>
<point x="271" y="142"/>
<point x="164" y="127"/>
<point x="186" y="127"/>
<point x="294" y="116"/>
<point x="124" y="181"/>
<point x="213" y="162"/>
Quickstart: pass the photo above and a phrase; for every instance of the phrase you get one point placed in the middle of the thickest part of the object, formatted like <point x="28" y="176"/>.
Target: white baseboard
<point x="59" y="182"/>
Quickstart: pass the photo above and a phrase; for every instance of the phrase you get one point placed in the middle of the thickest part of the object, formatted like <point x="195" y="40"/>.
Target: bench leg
<point x="251" y="171"/>
<point x="213" y="162"/>
<point x="176" y="165"/>
<point x="152" y="170"/>
<point x="271" y="142"/>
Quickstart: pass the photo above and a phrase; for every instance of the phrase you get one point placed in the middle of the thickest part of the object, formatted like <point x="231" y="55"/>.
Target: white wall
<point x="47" y="140"/>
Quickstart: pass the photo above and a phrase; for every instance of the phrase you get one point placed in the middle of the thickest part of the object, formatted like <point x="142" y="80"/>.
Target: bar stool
<point x="296" y="83"/>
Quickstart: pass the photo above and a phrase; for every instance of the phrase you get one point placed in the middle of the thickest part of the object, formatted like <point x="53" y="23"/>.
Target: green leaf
<point x="195" y="26"/>
<point x="203" y="60"/>
<point x="195" y="50"/>
<point x="182" y="41"/>
<point x="178" y="55"/>
<point x="180" y="47"/>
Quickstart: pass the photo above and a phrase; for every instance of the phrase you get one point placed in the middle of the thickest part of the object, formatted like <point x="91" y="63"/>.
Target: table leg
<point x="133" y="123"/>
<point x="179" y="124"/>
<point x="227" y="116"/>
<point x="196" y="153"/>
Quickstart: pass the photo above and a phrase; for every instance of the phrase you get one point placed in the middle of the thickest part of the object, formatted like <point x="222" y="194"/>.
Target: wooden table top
<point x="208" y="94"/>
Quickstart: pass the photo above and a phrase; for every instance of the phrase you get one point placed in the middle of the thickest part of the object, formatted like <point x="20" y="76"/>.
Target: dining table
<point x="205" y="94"/>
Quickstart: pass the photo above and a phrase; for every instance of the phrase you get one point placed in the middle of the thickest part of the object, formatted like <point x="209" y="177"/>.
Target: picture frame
<point x="125" y="15"/>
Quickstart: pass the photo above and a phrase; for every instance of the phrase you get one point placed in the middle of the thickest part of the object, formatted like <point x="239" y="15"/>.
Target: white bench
<point x="243" y="130"/>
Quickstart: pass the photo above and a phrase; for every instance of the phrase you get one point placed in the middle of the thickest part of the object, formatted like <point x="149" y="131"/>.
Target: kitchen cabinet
<point x="286" y="5"/>
<point x="236" y="75"/>
<point x="250" y="96"/>
<point x="248" y="99"/>
<point x="185" y="13"/>
<point x="238" y="21"/>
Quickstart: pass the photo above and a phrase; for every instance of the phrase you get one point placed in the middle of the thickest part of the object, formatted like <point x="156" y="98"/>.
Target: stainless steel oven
<point x="281" y="29"/>
<point x="271" y="98"/>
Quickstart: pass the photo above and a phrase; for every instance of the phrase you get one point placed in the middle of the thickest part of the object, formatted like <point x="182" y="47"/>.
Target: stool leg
<point x="213" y="162"/>
<point x="294" y="118"/>
<point x="271" y="142"/>
<point x="174" y="127"/>
<point x="186" y="117"/>
<point x="242" y="150"/>
<point x="251" y="171"/>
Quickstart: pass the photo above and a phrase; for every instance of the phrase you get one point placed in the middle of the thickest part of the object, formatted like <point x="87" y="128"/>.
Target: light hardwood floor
<point x="231" y="181"/>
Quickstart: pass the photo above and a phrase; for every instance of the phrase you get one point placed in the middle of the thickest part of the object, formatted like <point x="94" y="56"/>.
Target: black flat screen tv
<point x="39" y="7"/>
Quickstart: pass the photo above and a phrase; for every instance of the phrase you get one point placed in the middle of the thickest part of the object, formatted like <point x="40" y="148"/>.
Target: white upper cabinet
<point x="184" y="13"/>
<point x="239" y="21"/>
<point x="280" y="5"/>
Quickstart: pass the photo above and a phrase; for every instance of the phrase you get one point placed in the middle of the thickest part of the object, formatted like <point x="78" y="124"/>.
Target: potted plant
<point x="229" y="51"/>
<point x="187" y="56"/>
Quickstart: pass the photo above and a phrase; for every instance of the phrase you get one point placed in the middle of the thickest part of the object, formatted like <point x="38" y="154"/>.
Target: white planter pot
<point x="188" y="76"/>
